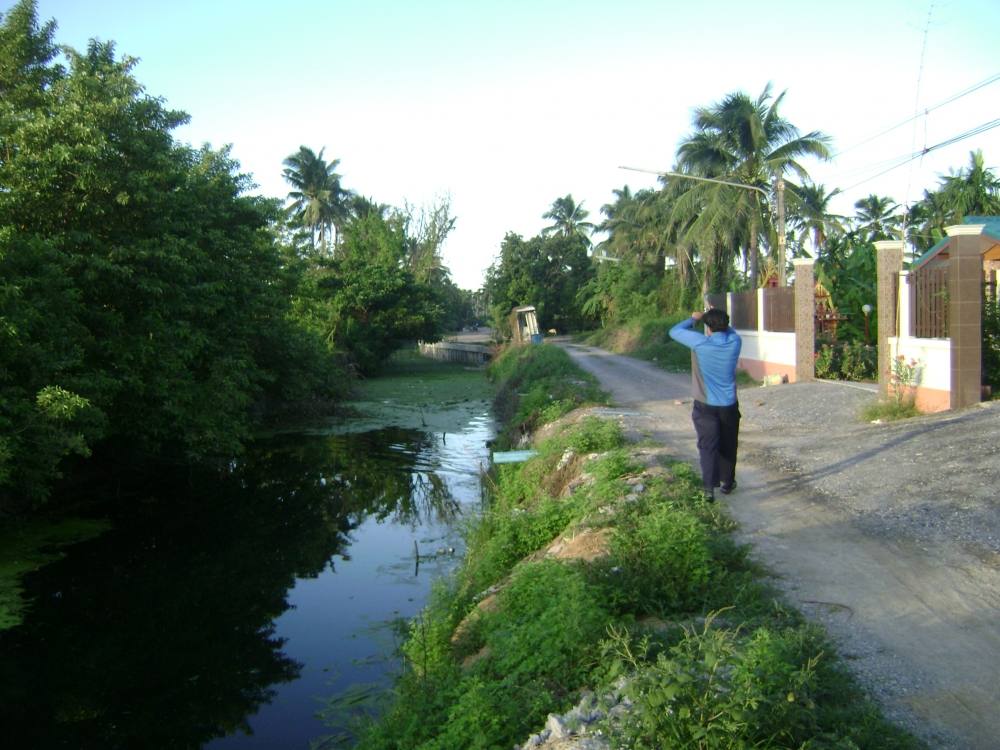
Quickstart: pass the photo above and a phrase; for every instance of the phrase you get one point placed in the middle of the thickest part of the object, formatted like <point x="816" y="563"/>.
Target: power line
<point x="916" y="98"/>
<point x="955" y="139"/>
<point x="955" y="97"/>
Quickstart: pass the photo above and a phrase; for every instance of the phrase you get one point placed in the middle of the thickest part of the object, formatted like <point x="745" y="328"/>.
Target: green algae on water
<point x="27" y="547"/>
<point x="421" y="393"/>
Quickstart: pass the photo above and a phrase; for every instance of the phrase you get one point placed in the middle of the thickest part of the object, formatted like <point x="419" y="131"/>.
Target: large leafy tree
<point x="365" y="301"/>
<point x="427" y="229"/>
<point x="547" y="272"/>
<point x="746" y="141"/>
<point x="638" y="228"/>
<point x="142" y="293"/>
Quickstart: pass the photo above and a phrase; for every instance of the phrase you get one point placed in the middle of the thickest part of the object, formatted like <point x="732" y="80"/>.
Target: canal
<point x="225" y="612"/>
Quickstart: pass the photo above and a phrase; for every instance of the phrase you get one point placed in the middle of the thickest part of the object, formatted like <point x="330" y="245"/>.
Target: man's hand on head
<point x="696" y="315"/>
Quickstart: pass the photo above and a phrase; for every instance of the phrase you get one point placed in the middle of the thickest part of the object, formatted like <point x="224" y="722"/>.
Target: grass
<point x="535" y="385"/>
<point x="890" y="410"/>
<point x="646" y="339"/>
<point x="712" y="658"/>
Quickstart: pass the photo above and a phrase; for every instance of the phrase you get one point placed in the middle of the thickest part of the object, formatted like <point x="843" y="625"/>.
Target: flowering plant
<point x="904" y="377"/>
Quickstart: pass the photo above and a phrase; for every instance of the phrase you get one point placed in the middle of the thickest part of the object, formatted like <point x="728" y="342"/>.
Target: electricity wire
<point x="955" y="97"/>
<point x="916" y="108"/>
<point x="954" y="139"/>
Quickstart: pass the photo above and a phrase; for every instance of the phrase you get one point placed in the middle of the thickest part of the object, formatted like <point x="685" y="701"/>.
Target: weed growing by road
<point x="646" y="339"/>
<point x="903" y="380"/>
<point x="536" y="385"/>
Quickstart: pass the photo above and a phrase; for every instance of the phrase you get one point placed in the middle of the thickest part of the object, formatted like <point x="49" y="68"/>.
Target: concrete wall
<point x="768" y="353"/>
<point x="933" y="391"/>
<point x="771" y="352"/>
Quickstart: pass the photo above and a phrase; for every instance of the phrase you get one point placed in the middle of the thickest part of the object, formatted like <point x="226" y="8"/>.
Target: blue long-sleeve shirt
<point x="713" y="368"/>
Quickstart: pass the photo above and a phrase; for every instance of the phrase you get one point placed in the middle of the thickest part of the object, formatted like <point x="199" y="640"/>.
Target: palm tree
<point x="810" y="204"/>
<point x="705" y="237"/>
<point x="569" y="219"/>
<point x="317" y="201"/>
<point x="972" y="191"/>
<point x="359" y="207"/>
<point x="876" y="218"/>
<point x="619" y="215"/>
<point x="746" y="141"/>
<point x="638" y="227"/>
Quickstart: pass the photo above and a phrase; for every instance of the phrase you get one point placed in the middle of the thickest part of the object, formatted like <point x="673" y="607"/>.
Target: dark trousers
<point x="718" y="430"/>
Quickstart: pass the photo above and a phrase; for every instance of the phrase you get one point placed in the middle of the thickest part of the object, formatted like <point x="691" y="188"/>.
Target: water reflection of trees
<point x="160" y="633"/>
<point x="390" y="474"/>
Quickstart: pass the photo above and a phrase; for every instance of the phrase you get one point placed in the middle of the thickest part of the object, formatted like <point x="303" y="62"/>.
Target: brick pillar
<point x="805" y="320"/>
<point x="965" y="322"/>
<point x="889" y="259"/>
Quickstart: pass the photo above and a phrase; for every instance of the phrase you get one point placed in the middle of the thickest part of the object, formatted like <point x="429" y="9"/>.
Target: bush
<point x="548" y="622"/>
<point x="991" y="343"/>
<point x="853" y="361"/>
<point x="594" y="434"/>
<point x="715" y="688"/>
<point x="664" y="560"/>
<point x="504" y="536"/>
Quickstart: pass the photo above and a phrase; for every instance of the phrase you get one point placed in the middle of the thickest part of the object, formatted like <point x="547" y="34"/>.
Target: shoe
<point x="708" y="495"/>
<point x="727" y="488"/>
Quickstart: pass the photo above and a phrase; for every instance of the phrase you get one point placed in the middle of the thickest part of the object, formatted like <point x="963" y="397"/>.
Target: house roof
<point x="991" y="229"/>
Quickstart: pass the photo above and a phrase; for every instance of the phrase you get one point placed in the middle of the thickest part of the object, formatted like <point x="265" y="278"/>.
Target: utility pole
<point x="779" y="189"/>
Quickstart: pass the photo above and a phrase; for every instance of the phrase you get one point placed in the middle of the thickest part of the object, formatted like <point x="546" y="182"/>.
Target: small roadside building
<point x="524" y="325"/>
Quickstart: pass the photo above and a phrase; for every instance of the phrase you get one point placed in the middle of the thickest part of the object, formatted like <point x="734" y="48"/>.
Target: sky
<point x="502" y="107"/>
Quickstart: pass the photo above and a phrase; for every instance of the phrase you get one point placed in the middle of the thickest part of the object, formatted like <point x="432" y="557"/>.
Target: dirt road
<point x="886" y="534"/>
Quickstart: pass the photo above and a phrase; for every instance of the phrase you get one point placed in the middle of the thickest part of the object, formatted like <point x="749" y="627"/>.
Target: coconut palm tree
<point x="618" y="216"/>
<point x="569" y="219"/>
<point x="638" y="227"/>
<point x="811" y="216"/>
<point x="317" y="200"/>
<point x="974" y="191"/>
<point x="876" y="218"/>
<point x="971" y="191"/>
<point x="746" y="141"/>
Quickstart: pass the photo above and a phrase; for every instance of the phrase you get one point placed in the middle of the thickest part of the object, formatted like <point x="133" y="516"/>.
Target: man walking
<point x="716" y="413"/>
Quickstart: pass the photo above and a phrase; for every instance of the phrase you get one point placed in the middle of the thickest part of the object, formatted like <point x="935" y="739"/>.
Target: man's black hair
<point x="716" y="319"/>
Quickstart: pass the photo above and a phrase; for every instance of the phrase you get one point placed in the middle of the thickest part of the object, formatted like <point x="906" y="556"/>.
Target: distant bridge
<point x="453" y="351"/>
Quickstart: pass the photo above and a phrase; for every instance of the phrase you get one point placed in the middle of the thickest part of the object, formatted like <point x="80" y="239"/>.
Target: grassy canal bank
<point x="597" y="577"/>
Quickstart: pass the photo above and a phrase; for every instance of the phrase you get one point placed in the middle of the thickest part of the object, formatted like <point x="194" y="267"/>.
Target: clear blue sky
<point x="506" y="106"/>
